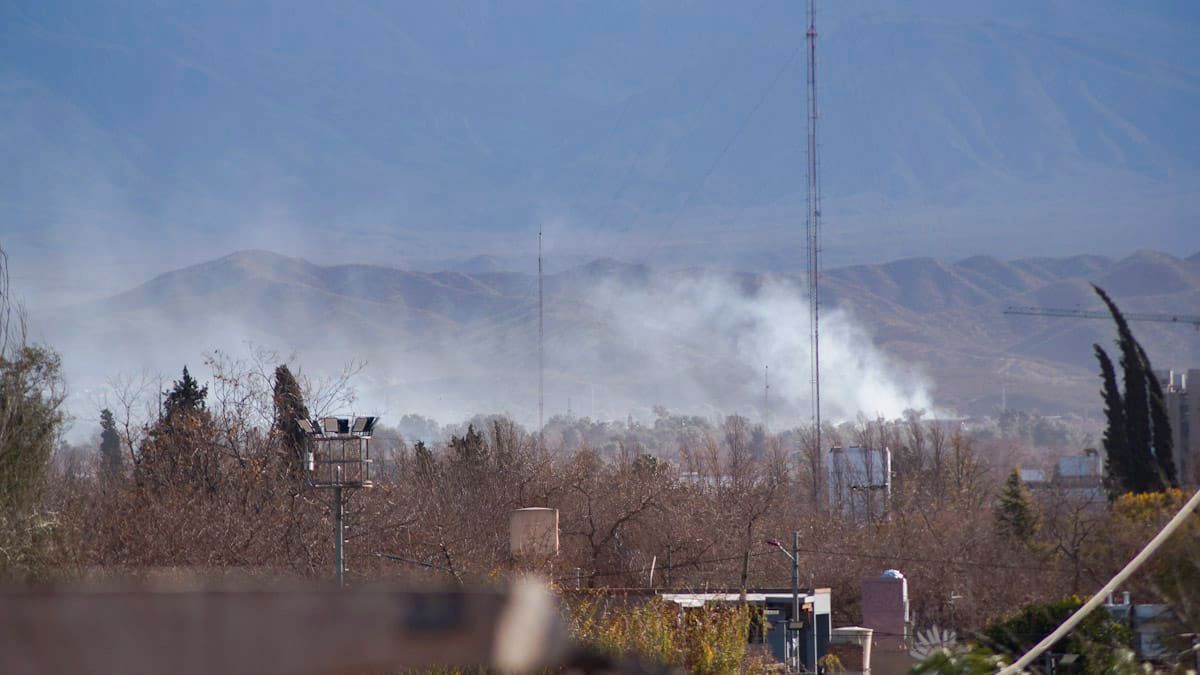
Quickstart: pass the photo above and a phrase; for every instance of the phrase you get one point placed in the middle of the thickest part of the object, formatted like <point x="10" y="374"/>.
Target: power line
<point x="862" y="556"/>
<point x="721" y="155"/>
<point x="698" y="111"/>
<point x="1108" y="588"/>
<point x="936" y="561"/>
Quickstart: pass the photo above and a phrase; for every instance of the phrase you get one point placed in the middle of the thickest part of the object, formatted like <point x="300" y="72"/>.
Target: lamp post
<point x="793" y="623"/>
<point x="338" y="459"/>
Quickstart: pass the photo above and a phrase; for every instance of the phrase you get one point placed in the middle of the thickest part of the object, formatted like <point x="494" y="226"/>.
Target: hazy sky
<point x="143" y="136"/>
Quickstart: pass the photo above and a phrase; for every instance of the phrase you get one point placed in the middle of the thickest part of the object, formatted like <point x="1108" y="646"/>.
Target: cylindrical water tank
<point x="533" y="533"/>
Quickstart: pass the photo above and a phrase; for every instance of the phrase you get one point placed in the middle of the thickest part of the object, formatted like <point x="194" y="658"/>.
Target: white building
<point x="859" y="480"/>
<point x="1182" y="393"/>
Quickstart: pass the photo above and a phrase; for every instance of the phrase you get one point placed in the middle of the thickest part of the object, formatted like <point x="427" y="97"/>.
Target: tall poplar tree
<point x="1115" y="441"/>
<point x="1160" y="426"/>
<point x="110" y="442"/>
<point x="1137" y="437"/>
<point x="289" y="407"/>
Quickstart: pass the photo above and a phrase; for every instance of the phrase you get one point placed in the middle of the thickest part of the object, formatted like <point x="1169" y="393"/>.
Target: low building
<point x="1150" y="624"/>
<point x="1080" y="476"/>
<point x="1182" y="393"/>
<point x="859" y="481"/>
<point x="811" y="641"/>
<point x="1031" y="476"/>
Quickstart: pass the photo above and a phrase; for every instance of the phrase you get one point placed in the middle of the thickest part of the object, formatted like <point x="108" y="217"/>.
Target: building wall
<point x="1191" y="425"/>
<point x="885" y="610"/>
<point x="1182" y="393"/>
<point x="859" y="480"/>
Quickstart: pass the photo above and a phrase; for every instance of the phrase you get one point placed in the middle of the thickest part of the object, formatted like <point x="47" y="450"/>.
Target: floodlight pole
<point x="328" y="465"/>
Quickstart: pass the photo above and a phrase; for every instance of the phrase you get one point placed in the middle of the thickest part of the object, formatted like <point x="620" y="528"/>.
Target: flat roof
<point x="819" y="598"/>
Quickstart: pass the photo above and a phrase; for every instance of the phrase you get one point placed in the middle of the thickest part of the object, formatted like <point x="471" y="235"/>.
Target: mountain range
<point x="626" y="336"/>
<point x="141" y="137"/>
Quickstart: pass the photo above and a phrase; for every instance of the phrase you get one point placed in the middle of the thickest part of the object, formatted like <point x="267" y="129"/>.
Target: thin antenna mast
<point x="767" y="398"/>
<point x="813" y="227"/>
<point x="541" y="348"/>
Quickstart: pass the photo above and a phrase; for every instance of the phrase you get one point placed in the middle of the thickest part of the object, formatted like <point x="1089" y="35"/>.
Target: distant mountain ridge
<point x="946" y="318"/>
<point x="415" y="127"/>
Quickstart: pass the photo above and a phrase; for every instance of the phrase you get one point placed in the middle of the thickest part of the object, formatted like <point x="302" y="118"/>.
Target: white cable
<point x="1081" y="613"/>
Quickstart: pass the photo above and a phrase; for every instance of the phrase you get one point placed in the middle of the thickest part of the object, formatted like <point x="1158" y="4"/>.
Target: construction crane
<point x="1193" y="321"/>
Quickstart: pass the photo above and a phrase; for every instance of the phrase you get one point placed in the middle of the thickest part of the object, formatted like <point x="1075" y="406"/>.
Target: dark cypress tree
<point x="1116" y="440"/>
<point x="1160" y="425"/>
<point x="178" y="449"/>
<point x="1137" y="400"/>
<point x="1143" y="462"/>
<point x="426" y="465"/>
<point x="110" y="442"/>
<point x="186" y="396"/>
<point x="1016" y="517"/>
<point x="470" y="451"/>
<point x="289" y="407"/>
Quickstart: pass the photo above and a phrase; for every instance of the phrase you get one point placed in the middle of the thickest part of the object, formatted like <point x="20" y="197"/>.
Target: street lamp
<point x="794" y="625"/>
<point x="339" y="458"/>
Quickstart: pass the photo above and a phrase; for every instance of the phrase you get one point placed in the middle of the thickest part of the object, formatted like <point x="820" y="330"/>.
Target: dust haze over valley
<point x="622" y="337"/>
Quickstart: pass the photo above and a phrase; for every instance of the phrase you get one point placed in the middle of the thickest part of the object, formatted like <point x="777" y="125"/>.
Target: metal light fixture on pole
<point x="794" y="623"/>
<point x="339" y="458"/>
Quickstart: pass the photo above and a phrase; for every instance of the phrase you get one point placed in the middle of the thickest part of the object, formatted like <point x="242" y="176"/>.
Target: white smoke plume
<point x="709" y="339"/>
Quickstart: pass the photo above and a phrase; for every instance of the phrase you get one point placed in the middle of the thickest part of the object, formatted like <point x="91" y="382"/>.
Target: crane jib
<point x="1095" y="314"/>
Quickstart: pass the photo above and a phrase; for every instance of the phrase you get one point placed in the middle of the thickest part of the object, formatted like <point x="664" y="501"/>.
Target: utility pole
<point x="794" y="625"/>
<point x="796" y="593"/>
<point x="813" y="229"/>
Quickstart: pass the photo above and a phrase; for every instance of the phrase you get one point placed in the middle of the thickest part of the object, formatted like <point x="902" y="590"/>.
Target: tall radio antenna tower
<point x="812" y="226"/>
<point x="541" y="348"/>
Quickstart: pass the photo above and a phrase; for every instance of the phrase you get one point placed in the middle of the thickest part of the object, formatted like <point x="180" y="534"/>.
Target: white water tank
<point x="852" y="646"/>
<point x="533" y="534"/>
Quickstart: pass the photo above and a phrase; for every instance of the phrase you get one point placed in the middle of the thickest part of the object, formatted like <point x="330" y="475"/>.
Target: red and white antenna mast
<point x="812" y="227"/>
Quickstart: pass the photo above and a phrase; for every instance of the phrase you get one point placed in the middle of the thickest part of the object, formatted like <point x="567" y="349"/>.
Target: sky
<point x="145" y="136"/>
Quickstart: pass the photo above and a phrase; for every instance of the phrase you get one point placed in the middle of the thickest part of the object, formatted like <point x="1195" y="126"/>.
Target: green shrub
<point x="709" y="639"/>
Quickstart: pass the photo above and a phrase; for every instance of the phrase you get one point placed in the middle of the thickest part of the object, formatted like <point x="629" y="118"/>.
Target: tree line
<point x="207" y="476"/>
